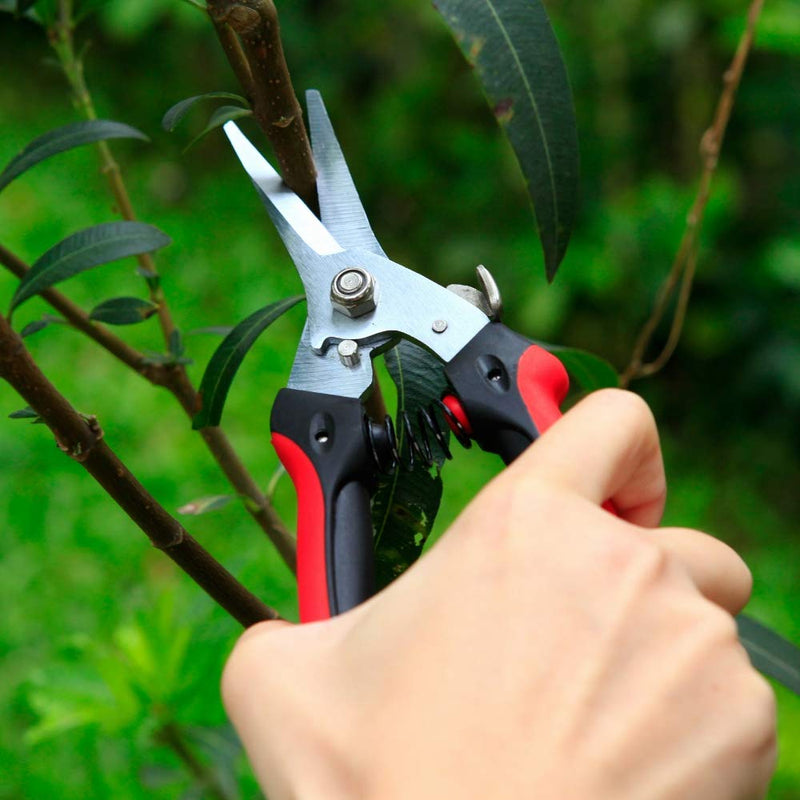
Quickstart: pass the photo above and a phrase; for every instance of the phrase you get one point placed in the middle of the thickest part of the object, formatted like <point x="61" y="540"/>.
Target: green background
<point x="101" y="639"/>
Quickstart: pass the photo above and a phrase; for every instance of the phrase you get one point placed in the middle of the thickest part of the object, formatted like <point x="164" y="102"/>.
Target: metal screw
<point x="439" y="325"/>
<point x="348" y="352"/>
<point x="353" y="292"/>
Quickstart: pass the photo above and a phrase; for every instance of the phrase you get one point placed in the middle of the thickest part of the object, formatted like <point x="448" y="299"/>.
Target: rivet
<point x="348" y="353"/>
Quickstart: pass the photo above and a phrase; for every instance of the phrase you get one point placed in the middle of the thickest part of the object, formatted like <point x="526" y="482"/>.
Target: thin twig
<point x="174" y="379"/>
<point x="684" y="264"/>
<point x="82" y="439"/>
<point x="61" y="37"/>
<point x="170" y="735"/>
<point x="172" y="376"/>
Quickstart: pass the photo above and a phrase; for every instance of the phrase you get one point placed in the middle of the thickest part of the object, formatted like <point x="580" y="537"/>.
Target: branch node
<point x="79" y="450"/>
<point x="241" y="18"/>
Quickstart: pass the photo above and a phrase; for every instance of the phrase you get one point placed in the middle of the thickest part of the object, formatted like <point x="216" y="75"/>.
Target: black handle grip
<point x="320" y="440"/>
<point x="509" y="388"/>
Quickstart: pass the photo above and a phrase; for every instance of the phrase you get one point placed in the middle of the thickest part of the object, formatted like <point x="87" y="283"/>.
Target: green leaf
<point x="222" y="115"/>
<point x="86" y="249"/>
<point x="19" y="8"/>
<point x="64" y="703"/>
<point x="589" y="370"/>
<point x="205" y="504"/>
<point x="25" y="413"/>
<point x="770" y="653"/>
<point x="65" y="138"/>
<point x="182" y="108"/>
<point x="514" y="50"/>
<point x="405" y="504"/>
<point x="40" y="324"/>
<point x="214" y="330"/>
<point x="227" y="358"/>
<point x="123" y="311"/>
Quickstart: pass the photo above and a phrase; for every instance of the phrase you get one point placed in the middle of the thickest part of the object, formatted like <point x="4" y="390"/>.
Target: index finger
<point x="605" y="448"/>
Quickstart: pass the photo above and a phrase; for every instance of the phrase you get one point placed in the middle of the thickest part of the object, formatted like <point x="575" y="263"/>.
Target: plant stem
<point x="260" y="65"/>
<point x="175" y="380"/>
<point x="172" y="377"/>
<point x="170" y="735"/>
<point x="685" y="262"/>
<point x="82" y="439"/>
<point x="258" y="61"/>
<point x="61" y="37"/>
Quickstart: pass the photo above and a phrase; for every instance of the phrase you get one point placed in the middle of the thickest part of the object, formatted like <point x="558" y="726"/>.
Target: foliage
<point x="444" y="193"/>
<point x="85" y="249"/>
<point x="513" y="47"/>
<point x="228" y="357"/>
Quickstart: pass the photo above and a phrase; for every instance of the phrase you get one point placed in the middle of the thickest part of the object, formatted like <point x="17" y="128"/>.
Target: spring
<point x="385" y="448"/>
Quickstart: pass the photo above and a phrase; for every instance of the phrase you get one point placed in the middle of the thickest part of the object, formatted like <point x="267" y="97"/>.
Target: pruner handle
<point x="319" y="438"/>
<point x="508" y="391"/>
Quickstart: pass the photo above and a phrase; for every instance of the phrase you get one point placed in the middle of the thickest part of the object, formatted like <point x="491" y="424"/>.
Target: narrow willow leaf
<point x="86" y="249"/>
<point x="406" y="502"/>
<point x="227" y="358"/>
<point x="158" y="776"/>
<point x="123" y="311"/>
<point x="280" y="471"/>
<point x="65" y="138"/>
<point x="205" y="504"/>
<point x="40" y="324"/>
<point x="514" y="50"/>
<point x="589" y="370"/>
<point x="214" y="330"/>
<point x="770" y="653"/>
<point x="175" y="114"/>
<point x="24" y="413"/>
<point x="222" y="115"/>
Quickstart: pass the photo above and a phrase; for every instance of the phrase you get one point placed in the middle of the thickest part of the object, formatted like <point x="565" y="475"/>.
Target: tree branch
<point x="82" y="439"/>
<point x="175" y="380"/>
<point x="268" y="86"/>
<point x="684" y="264"/>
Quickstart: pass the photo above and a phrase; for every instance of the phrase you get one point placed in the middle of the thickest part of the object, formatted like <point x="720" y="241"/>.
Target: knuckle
<point x="644" y="561"/>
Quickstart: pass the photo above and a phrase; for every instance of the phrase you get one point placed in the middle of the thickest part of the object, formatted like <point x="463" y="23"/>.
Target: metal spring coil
<point x="385" y="449"/>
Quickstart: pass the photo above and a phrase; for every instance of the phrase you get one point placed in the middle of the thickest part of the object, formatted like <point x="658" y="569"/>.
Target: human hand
<point x="543" y="648"/>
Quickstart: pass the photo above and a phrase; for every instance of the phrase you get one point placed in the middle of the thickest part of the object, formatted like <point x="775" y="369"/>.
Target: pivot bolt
<point x="353" y="292"/>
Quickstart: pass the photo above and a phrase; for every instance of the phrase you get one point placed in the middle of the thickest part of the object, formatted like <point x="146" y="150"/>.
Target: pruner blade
<point x="301" y="231"/>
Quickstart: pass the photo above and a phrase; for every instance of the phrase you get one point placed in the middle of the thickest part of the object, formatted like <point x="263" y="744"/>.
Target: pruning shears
<point x="504" y="391"/>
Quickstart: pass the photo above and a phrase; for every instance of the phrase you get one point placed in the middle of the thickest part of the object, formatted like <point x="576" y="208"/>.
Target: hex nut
<point x="353" y="292"/>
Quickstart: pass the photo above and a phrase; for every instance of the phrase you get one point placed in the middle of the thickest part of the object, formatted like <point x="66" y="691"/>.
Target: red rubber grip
<point x="312" y="575"/>
<point x="543" y="383"/>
